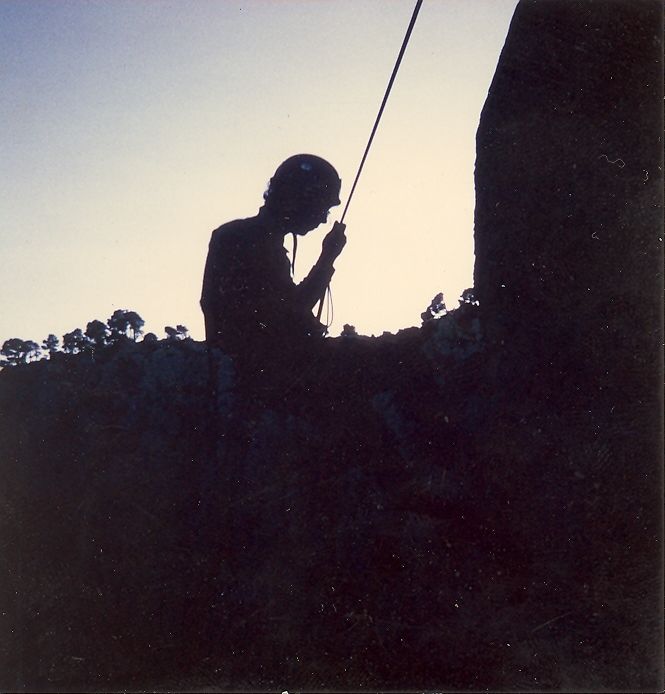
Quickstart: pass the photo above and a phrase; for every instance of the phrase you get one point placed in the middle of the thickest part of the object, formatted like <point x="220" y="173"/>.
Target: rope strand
<point x="293" y="255"/>
<point x="330" y="309"/>
<point x="407" y="36"/>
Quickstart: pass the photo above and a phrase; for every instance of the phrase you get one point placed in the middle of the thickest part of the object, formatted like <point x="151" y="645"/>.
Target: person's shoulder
<point x="230" y="232"/>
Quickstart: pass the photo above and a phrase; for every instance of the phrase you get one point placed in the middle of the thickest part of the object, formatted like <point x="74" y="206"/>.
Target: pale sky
<point x="133" y="128"/>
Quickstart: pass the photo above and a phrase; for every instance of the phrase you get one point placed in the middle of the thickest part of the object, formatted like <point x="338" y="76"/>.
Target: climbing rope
<point x="407" y="36"/>
<point x="383" y="103"/>
<point x="330" y="311"/>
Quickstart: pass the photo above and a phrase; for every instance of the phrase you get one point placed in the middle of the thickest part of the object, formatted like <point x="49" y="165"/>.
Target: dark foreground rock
<point x="473" y="505"/>
<point x="157" y="538"/>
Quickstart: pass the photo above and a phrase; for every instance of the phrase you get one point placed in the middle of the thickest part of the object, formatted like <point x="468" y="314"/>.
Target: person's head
<point x="301" y="192"/>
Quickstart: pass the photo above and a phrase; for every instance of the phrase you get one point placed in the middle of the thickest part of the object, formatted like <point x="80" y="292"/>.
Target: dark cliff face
<point x="472" y="505"/>
<point x="569" y="277"/>
<point x="569" y="179"/>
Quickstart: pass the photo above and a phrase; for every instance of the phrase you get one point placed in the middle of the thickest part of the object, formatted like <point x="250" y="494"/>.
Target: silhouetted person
<point x="256" y="314"/>
<point x="250" y="302"/>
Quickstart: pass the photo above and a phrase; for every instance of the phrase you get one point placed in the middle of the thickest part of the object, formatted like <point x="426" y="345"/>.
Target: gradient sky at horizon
<point x="131" y="129"/>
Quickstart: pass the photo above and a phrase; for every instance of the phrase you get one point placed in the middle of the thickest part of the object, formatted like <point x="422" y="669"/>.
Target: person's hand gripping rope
<point x="334" y="241"/>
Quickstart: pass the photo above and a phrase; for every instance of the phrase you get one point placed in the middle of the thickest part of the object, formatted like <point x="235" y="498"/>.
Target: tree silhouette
<point x="74" y="342"/>
<point x="468" y="297"/>
<point x="180" y="332"/>
<point x="349" y="331"/>
<point x="34" y="352"/>
<point x="124" y="323"/>
<point x="436" y="309"/>
<point x="16" y="351"/>
<point x="118" y="325"/>
<point x="135" y="323"/>
<point x="97" y="333"/>
<point x="51" y="344"/>
<point x="150" y="338"/>
<point x="12" y="351"/>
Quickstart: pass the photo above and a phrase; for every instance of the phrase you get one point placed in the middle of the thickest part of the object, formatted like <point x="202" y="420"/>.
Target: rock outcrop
<point x="569" y="193"/>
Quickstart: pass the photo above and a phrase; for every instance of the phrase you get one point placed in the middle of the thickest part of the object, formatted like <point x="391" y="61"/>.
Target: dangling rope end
<point x="293" y="254"/>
